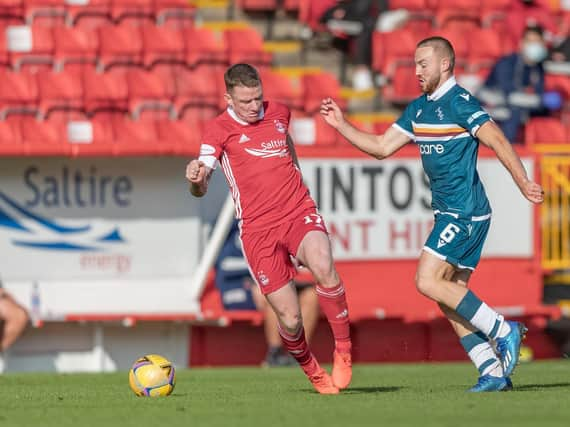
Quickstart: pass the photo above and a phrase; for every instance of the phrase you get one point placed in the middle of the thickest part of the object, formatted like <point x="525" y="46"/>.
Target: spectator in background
<point x="13" y="319"/>
<point x="239" y="292"/>
<point x="514" y="89"/>
<point x="353" y="22"/>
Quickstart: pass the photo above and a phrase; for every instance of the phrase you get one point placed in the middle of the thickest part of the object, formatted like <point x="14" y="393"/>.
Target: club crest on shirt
<point x="280" y="126"/>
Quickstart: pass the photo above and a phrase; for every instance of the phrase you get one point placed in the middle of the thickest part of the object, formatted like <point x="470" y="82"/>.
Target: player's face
<point x="428" y="69"/>
<point x="246" y="102"/>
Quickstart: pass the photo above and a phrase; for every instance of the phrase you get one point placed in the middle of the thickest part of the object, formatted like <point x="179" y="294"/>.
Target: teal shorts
<point x="458" y="241"/>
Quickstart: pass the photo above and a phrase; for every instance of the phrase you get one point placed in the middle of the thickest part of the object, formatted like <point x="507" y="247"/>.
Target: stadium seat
<point x="458" y="19"/>
<point x="310" y="12"/>
<point x="45" y="12"/>
<point x="162" y="44"/>
<point x="403" y="86"/>
<point x="3" y="48"/>
<point x="120" y="45"/>
<point x="100" y="140"/>
<point x="74" y="47"/>
<point x="39" y="54"/>
<point x="204" y="46"/>
<point x="90" y="14"/>
<point x="281" y="88"/>
<point x="11" y="12"/>
<point x="174" y="13"/>
<point x="246" y="45"/>
<point x="317" y="86"/>
<point x="391" y="49"/>
<point x="61" y="92"/>
<point x="559" y="83"/>
<point x="44" y="137"/>
<point x="147" y="92"/>
<point x="546" y="130"/>
<point x="486" y="48"/>
<point x="135" y="138"/>
<point x="199" y="88"/>
<point x="18" y="93"/>
<point x="11" y="143"/>
<point x="136" y="11"/>
<point x="105" y="92"/>
<point x="182" y="138"/>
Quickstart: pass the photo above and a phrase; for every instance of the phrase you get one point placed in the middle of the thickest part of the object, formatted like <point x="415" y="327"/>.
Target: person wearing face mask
<point x="514" y="90"/>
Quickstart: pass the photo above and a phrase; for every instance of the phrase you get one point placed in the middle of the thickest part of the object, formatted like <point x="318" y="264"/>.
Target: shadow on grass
<point x="538" y="387"/>
<point x="363" y="390"/>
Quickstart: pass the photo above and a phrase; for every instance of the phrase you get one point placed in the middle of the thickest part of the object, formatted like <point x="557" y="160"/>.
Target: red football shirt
<point x="265" y="184"/>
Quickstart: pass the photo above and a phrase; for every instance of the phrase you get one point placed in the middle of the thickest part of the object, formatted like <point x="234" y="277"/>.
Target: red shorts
<point x="268" y="252"/>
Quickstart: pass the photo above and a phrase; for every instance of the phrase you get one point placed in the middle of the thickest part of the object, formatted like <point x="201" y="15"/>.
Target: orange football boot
<point x="342" y="369"/>
<point x="323" y="383"/>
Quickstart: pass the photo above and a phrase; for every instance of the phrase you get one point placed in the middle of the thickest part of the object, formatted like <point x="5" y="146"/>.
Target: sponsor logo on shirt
<point x="432" y="148"/>
<point x="273" y="148"/>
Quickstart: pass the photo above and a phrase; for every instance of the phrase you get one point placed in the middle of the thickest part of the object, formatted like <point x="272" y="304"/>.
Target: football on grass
<point x="152" y="375"/>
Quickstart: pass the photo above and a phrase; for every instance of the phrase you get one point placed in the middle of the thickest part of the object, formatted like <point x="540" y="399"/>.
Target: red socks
<point x="333" y="303"/>
<point x="297" y="346"/>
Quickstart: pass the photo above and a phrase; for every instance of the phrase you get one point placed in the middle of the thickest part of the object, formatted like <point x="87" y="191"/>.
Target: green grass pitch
<point x="431" y="394"/>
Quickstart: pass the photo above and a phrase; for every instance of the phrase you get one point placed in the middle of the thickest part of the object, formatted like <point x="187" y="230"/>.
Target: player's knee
<point x="291" y="322"/>
<point x="425" y="286"/>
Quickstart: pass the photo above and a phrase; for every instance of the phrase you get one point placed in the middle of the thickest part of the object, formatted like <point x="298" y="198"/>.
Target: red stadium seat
<point x="201" y="88"/>
<point x="99" y="141"/>
<point x="181" y="137"/>
<point x="559" y="83"/>
<point x="147" y="92"/>
<point x="391" y="49"/>
<point x="137" y="11"/>
<point x="135" y="138"/>
<point x="310" y="12"/>
<point x="174" y="13"/>
<point x="92" y="14"/>
<point x="458" y="19"/>
<point x="59" y="92"/>
<point x="75" y="46"/>
<point x="164" y="45"/>
<point x="3" y="48"/>
<point x="120" y="45"/>
<point x="486" y="48"/>
<point x="44" y="138"/>
<point x="105" y="92"/>
<point x="312" y="130"/>
<point x="204" y="46"/>
<point x="18" y="93"/>
<point x="41" y="52"/>
<point x="403" y="86"/>
<point x="45" y="12"/>
<point x="281" y="88"/>
<point x="11" y="143"/>
<point x="246" y="45"/>
<point x="318" y="86"/>
<point x="546" y="130"/>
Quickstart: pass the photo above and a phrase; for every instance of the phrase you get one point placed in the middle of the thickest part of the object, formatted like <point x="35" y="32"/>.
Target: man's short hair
<point x="241" y="75"/>
<point x="535" y="28"/>
<point x="442" y="46"/>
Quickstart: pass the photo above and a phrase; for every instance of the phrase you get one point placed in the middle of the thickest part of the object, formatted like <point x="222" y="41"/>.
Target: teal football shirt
<point x="444" y="125"/>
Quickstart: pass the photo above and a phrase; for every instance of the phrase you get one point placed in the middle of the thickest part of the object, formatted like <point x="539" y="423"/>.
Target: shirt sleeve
<point x="405" y="123"/>
<point x="468" y="112"/>
<point x="211" y="146"/>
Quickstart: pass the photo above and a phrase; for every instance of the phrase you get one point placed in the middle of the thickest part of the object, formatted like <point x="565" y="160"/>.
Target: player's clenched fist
<point x="195" y="171"/>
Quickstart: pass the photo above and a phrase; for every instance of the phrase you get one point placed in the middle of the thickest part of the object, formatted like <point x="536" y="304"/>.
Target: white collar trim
<point x="234" y="116"/>
<point x="443" y="89"/>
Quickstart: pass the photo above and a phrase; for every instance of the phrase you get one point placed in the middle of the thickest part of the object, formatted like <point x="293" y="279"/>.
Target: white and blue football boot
<point x="509" y="347"/>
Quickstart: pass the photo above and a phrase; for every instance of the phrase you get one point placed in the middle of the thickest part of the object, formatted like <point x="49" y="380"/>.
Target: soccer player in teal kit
<point x="447" y="123"/>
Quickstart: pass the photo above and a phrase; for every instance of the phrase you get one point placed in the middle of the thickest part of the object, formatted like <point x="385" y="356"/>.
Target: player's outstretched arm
<point x="492" y="136"/>
<point x="379" y="146"/>
<point x="198" y="174"/>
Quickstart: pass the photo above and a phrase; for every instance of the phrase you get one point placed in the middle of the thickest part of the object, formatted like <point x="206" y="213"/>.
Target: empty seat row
<point x="168" y="91"/>
<point x="117" y="137"/>
<point x="113" y="45"/>
<point x="546" y="131"/>
<point x="94" y="12"/>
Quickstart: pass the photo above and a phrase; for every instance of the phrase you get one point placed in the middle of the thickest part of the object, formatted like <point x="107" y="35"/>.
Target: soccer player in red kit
<point x="279" y="219"/>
